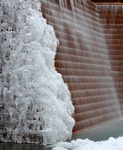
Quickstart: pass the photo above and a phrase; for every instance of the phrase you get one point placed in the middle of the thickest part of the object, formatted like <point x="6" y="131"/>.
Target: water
<point x="12" y="146"/>
<point x="97" y="133"/>
<point x="111" y="18"/>
<point x="102" y="132"/>
<point x="83" y="60"/>
<point x="36" y="104"/>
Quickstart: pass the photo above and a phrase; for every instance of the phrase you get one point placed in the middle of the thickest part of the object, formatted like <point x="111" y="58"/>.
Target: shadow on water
<point x="13" y="146"/>
<point x="97" y="133"/>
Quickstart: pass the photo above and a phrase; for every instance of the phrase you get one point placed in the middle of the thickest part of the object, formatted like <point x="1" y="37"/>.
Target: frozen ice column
<point x="35" y="103"/>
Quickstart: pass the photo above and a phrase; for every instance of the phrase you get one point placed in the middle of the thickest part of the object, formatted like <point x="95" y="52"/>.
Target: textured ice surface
<point x="35" y="102"/>
<point x="79" y="144"/>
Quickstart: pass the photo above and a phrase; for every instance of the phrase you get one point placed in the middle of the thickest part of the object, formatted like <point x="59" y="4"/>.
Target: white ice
<point x="79" y="144"/>
<point x="36" y="102"/>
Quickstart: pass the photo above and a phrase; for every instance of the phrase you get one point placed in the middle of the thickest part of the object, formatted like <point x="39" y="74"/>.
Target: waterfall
<point x="83" y="60"/>
<point x="35" y="103"/>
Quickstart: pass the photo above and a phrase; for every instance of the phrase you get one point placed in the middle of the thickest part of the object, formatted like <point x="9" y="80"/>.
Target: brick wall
<point x="112" y="21"/>
<point x="83" y="60"/>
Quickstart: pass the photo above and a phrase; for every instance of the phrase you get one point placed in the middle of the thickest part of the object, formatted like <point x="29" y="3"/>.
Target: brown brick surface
<point x="89" y="57"/>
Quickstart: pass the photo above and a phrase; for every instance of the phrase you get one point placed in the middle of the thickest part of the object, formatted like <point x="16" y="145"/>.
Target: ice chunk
<point x="36" y="99"/>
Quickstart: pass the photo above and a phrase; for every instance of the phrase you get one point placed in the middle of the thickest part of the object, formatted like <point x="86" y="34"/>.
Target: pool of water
<point x="13" y="146"/>
<point x="98" y="133"/>
<point x="103" y="132"/>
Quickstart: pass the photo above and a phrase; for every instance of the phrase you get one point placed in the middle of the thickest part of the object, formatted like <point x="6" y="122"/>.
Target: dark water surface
<point x="13" y="146"/>
<point x="98" y="133"/>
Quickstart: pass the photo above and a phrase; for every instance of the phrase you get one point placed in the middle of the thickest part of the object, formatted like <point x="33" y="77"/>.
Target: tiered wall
<point x="112" y="21"/>
<point x="82" y="59"/>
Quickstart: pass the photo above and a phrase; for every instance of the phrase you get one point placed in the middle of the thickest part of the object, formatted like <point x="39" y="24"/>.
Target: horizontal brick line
<point x="88" y="86"/>
<point x="80" y="65"/>
<point x="97" y="123"/>
<point x="96" y="104"/>
<point x="71" y="51"/>
<point x="87" y="79"/>
<point x="95" y="96"/>
<point x="96" y="100"/>
<point x="105" y="89"/>
<point x="110" y="111"/>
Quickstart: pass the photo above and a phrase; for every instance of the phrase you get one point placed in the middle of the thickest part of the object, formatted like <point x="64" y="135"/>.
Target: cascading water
<point x="111" y="20"/>
<point x="83" y="60"/>
<point x="35" y="103"/>
<point x="111" y="27"/>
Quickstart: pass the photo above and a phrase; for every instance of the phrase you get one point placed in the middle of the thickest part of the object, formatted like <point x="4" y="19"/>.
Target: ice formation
<point x="35" y="103"/>
<point x="79" y="144"/>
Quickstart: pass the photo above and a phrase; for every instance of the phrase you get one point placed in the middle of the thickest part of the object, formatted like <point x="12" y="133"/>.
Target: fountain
<point x="112" y="22"/>
<point x="87" y="57"/>
<point x="84" y="60"/>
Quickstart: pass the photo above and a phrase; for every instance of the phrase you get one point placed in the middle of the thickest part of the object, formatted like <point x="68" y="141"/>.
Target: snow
<point x="36" y="102"/>
<point x="79" y="144"/>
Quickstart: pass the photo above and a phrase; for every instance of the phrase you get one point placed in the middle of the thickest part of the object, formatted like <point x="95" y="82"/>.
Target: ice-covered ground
<point x="79" y="144"/>
<point x="36" y="103"/>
